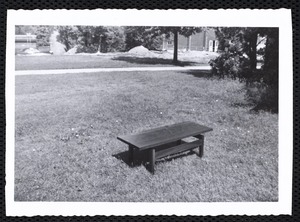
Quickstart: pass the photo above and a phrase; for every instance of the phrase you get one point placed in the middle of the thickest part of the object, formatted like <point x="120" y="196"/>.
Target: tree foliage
<point x="92" y="38"/>
<point x="24" y="29"/>
<point x="113" y="39"/>
<point x="140" y="35"/>
<point x="238" y="54"/>
<point x="68" y="35"/>
<point x="43" y="34"/>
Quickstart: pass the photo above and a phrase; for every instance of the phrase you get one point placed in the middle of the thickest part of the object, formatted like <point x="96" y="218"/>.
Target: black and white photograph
<point x="154" y="112"/>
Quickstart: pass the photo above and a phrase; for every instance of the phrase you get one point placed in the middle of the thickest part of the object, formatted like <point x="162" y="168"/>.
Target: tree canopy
<point x="140" y="35"/>
<point x="24" y="29"/>
<point x="43" y="34"/>
<point x="92" y="38"/>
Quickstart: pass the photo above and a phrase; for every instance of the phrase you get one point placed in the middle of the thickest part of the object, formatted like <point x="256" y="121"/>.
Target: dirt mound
<point x="141" y="51"/>
<point x="31" y="51"/>
<point x="71" y="51"/>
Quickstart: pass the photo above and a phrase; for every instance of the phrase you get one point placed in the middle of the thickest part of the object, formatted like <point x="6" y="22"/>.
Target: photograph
<point x="146" y="113"/>
<point x="67" y="125"/>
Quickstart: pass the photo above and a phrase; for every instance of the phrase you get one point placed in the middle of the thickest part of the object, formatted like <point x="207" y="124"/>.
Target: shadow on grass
<point x="140" y="158"/>
<point x="260" y="100"/>
<point x="271" y="108"/>
<point x="243" y="105"/>
<point x="257" y="106"/>
<point x="199" y="73"/>
<point x="153" y="61"/>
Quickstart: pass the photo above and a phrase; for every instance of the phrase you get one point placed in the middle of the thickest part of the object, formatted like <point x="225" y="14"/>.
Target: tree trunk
<point x="270" y="70"/>
<point x="175" y="55"/>
<point x="188" y="44"/>
<point x="271" y="58"/>
<point x="252" y="53"/>
<point x="100" y="43"/>
<point x="67" y="43"/>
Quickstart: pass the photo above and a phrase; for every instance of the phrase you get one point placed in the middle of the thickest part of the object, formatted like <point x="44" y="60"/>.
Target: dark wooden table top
<point x="162" y="135"/>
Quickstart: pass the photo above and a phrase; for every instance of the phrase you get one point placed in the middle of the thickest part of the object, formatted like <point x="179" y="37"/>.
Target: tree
<point x="271" y="57"/>
<point x="238" y="59"/>
<point x="240" y="45"/>
<point x="139" y="35"/>
<point x="68" y="35"/>
<point x="112" y="39"/>
<point x="92" y="38"/>
<point x="168" y="31"/>
<point x="43" y="34"/>
<point x="24" y="29"/>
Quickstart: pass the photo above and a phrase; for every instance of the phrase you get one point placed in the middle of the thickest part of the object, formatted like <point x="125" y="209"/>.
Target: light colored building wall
<point x="198" y="42"/>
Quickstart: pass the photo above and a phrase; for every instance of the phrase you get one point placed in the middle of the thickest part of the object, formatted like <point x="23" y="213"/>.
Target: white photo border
<point x="280" y="18"/>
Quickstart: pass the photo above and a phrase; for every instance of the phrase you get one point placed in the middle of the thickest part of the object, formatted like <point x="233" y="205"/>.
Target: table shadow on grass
<point x="140" y="158"/>
<point x="153" y="61"/>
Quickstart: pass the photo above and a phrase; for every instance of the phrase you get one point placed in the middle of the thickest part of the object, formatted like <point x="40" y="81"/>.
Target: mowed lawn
<point x="66" y="147"/>
<point x="93" y="61"/>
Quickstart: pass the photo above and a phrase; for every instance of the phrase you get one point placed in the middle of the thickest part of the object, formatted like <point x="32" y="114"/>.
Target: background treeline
<point x="105" y="38"/>
<point x="91" y="39"/>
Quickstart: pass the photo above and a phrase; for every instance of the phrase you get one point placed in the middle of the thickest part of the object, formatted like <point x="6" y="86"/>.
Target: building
<point x="203" y="41"/>
<point x="24" y="42"/>
<point x="28" y="41"/>
<point x="25" y="38"/>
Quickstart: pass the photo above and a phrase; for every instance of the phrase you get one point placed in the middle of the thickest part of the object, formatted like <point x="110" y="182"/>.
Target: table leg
<point x="152" y="160"/>
<point x="201" y="146"/>
<point x="130" y="155"/>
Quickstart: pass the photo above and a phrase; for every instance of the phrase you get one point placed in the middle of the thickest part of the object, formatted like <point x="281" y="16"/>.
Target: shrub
<point x="87" y="49"/>
<point x="226" y="65"/>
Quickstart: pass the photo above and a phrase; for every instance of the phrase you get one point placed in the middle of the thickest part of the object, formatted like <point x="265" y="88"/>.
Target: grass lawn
<point x="93" y="61"/>
<point x="66" y="147"/>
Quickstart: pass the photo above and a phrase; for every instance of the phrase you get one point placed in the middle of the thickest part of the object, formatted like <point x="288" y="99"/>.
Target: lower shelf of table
<point x="177" y="149"/>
